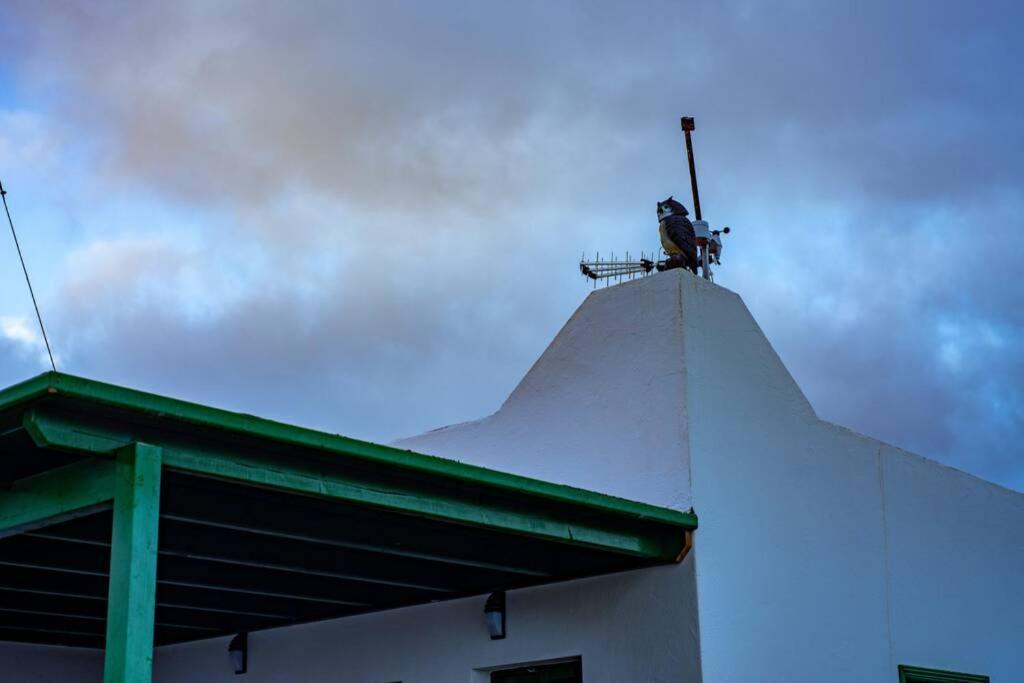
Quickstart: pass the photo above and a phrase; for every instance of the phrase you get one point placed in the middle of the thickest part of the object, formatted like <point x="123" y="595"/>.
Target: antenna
<point x="39" y="317"/>
<point x="681" y="240"/>
<point x="687" y="125"/>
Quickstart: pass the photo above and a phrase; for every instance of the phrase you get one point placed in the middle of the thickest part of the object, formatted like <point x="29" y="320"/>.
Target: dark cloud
<point x="388" y="198"/>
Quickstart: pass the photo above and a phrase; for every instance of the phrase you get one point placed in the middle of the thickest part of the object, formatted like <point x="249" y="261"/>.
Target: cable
<point x="39" y="317"/>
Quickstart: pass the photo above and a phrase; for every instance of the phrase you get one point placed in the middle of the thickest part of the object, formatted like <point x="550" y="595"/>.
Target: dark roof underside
<point x="247" y="543"/>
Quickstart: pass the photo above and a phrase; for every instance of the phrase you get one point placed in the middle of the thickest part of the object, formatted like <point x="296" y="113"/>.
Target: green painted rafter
<point x="56" y="495"/>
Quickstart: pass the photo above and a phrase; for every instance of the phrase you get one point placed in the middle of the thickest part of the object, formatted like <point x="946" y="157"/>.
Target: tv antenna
<point x="708" y="242"/>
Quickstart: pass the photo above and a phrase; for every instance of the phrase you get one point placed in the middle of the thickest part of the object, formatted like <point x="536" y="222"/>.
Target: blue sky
<point x="366" y="219"/>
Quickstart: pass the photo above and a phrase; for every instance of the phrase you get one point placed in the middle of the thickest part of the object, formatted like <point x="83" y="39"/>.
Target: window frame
<point x="575" y="663"/>
<point x="917" y="674"/>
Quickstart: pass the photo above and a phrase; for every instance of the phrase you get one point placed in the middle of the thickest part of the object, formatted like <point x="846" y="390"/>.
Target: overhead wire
<point x="28" y="281"/>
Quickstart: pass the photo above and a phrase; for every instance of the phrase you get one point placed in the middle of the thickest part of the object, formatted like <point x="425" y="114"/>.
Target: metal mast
<point x="687" y="124"/>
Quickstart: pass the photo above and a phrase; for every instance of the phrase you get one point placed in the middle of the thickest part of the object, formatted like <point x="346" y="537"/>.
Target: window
<point x="914" y="674"/>
<point x="566" y="672"/>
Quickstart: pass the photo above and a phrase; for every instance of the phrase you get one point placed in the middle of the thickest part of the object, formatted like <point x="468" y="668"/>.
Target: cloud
<point x="17" y="330"/>
<point x="908" y="336"/>
<point x="380" y="204"/>
<point x="376" y="108"/>
<point x="21" y="347"/>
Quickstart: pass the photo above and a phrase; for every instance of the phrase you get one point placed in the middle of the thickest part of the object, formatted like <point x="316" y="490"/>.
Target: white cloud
<point x="19" y="330"/>
<point x="391" y="197"/>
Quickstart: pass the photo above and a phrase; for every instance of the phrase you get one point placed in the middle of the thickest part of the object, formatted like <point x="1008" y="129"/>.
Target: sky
<point x="366" y="217"/>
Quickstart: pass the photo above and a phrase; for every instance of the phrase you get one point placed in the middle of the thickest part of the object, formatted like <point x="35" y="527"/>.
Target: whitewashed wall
<point x="956" y="567"/>
<point x="23" y="663"/>
<point x="826" y="555"/>
<point x="633" y="626"/>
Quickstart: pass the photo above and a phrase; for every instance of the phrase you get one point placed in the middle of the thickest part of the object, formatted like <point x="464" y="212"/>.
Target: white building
<point x="821" y="554"/>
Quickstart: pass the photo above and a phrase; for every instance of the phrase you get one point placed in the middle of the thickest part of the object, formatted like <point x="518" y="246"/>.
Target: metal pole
<point x="687" y="125"/>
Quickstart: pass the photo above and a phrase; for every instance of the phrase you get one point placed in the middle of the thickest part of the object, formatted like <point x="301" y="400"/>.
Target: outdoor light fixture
<point x="238" y="650"/>
<point x="494" y="612"/>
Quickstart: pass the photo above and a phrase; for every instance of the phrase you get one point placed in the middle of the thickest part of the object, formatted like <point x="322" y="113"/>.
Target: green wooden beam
<point x="56" y="495"/>
<point x="131" y="598"/>
<point x="613" y="530"/>
<point x="53" y="386"/>
<point x="30" y="389"/>
<point x="916" y="674"/>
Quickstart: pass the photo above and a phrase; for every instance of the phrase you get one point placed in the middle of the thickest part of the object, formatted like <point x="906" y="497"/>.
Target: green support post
<point x="131" y="600"/>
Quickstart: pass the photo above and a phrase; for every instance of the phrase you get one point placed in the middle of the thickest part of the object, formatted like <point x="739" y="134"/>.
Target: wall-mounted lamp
<point x="238" y="650"/>
<point x="494" y="612"/>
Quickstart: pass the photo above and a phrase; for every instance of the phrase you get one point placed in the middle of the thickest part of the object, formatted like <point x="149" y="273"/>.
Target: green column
<point x="131" y="600"/>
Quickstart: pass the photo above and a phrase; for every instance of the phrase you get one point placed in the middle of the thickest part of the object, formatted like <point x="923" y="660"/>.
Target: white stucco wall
<point x="849" y="556"/>
<point x="826" y="555"/>
<point x="633" y="626"/>
<point x="24" y="663"/>
<point x="789" y="553"/>
<point x="956" y="567"/>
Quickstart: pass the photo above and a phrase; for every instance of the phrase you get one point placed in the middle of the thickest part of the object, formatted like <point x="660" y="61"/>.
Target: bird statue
<point x="677" y="236"/>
